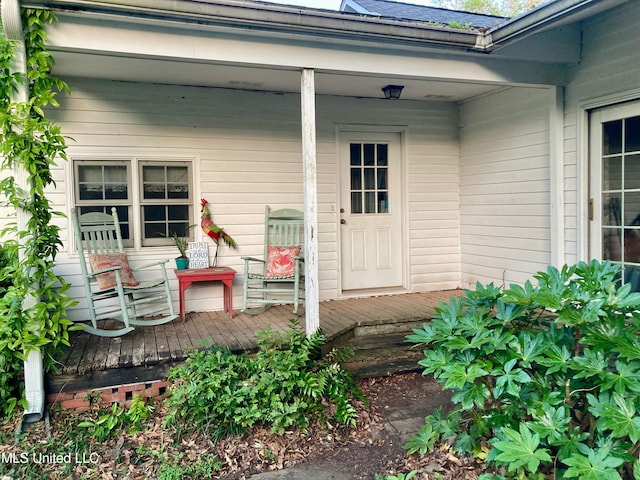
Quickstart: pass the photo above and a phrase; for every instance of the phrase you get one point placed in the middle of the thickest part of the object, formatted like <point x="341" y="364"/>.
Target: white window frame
<point x="597" y="211"/>
<point x="188" y="202"/>
<point x="583" y="174"/>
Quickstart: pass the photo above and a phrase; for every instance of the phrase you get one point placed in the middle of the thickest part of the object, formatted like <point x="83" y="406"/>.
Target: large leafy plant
<point x="287" y="383"/>
<point x="31" y="143"/>
<point x="545" y="378"/>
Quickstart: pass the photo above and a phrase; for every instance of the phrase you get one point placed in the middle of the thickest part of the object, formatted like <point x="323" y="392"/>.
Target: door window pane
<point x="632" y="134"/>
<point x="612" y="244"/>
<point x="356" y="202"/>
<point x="612" y="173"/>
<point x="612" y="209"/>
<point x="383" y="202"/>
<point x="369" y="202"/>
<point x="632" y="172"/>
<point x="632" y="276"/>
<point x="632" y="245"/>
<point x="369" y="154"/>
<point x="621" y="196"/>
<point x="355" y="154"/>
<point x="356" y="178"/>
<point x="612" y="137"/>
<point x="369" y="178"/>
<point x="383" y="148"/>
<point x="632" y="208"/>
<point x="382" y="179"/>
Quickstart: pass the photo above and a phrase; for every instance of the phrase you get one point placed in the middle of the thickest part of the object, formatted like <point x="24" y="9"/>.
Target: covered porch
<point x="147" y="354"/>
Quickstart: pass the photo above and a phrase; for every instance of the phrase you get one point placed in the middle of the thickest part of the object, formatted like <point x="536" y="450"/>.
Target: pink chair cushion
<point x="100" y="261"/>
<point x="280" y="261"/>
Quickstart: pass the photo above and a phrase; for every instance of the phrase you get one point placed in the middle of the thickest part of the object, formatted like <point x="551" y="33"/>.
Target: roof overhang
<point x="550" y="15"/>
<point x="257" y="45"/>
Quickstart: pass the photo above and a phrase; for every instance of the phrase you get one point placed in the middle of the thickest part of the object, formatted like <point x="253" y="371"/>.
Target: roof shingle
<point x="406" y="11"/>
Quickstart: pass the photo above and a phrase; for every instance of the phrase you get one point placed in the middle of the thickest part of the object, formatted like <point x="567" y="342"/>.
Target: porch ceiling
<point x="264" y="48"/>
<point x="71" y="64"/>
<point x="251" y="45"/>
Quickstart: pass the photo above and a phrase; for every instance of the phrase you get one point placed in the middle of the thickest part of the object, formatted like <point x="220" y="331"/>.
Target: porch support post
<point x="556" y="175"/>
<point x="33" y="367"/>
<point x="308" y="106"/>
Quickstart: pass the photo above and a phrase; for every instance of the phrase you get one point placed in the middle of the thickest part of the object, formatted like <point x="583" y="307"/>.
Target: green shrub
<point x="178" y="469"/>
<point x="546" y="378"/>
<point x="117" y="419"/>
<point x="8" y="264"/>
<point x="284" y="385"/>
<point x="11" y="363"/>
<point x="399" y="476"/>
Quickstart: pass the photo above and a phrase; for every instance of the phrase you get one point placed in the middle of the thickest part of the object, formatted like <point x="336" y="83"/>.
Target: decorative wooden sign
<point x="198" y="255"/>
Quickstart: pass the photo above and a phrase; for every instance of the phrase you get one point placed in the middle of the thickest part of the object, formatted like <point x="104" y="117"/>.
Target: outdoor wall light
<point x="392" y="91"/>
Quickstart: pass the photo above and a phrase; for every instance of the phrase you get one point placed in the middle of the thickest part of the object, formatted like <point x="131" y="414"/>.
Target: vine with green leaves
<point x="33" y="143"/>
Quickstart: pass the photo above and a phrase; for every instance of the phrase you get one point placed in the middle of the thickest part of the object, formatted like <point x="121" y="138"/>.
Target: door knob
<point x="343" y="221"/>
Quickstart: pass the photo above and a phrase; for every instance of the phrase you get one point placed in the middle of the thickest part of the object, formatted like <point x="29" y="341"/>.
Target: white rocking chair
<point x="278" y="277"/>
<point x="111" y="290"/>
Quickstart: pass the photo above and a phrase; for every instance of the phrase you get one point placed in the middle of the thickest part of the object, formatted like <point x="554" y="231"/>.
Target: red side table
<point x="191" y="275"/>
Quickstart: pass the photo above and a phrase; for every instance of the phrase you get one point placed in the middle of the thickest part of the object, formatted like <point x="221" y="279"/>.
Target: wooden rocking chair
<point x="111" y="289"/>
<point x="278" y="277"/>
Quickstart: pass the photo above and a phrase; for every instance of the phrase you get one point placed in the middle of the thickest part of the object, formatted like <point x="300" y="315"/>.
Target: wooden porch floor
<point x="155" y="349"/>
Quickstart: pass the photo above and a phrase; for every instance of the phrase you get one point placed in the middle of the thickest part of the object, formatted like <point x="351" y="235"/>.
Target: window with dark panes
<point x="161" y="202"/>
<point x="103" y="185"/>
<point x="166" y="201"/>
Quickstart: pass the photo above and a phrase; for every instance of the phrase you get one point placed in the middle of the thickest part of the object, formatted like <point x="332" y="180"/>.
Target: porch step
<point x="380" y="350"/>
<point x="377" y="351"/>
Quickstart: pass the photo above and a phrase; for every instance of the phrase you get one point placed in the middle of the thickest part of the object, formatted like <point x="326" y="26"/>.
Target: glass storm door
<point x="370" y="211"/>
<point x="615" y="189"/>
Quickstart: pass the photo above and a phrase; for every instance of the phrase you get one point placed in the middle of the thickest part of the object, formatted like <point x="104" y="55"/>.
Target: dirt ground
<point x="396" y="410"/>
<point x="383" y="451"/>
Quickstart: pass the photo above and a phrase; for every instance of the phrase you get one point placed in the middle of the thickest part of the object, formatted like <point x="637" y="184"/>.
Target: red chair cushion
<point x="100" y="261"/>
<point x="280" y="261"/>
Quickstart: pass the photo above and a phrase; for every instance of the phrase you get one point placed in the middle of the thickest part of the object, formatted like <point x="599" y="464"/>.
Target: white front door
<point x="370" y="211"/>
<point x="614" y="154"/>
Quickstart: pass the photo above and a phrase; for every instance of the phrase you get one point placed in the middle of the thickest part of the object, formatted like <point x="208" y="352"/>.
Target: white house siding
<point x="247" y="149"/>
<point x="430" y="186"/>
<point x="504" y="186"/>
<point x="609" y="67"/>
<point x="433" y="214"/>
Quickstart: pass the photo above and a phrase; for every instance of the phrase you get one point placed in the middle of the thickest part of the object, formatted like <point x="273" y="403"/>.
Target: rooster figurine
<point x="214" y="231"/>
